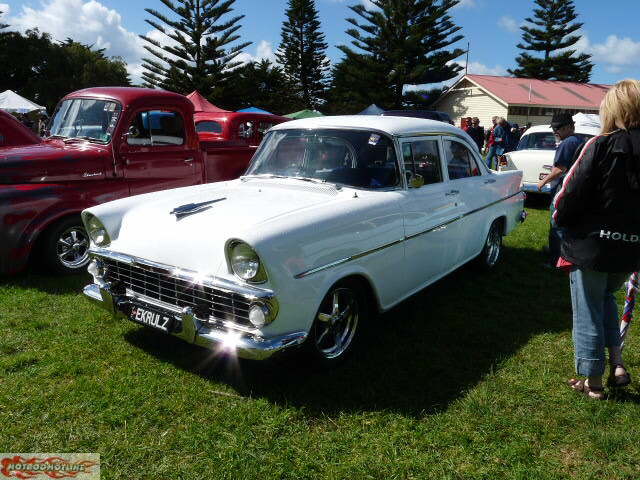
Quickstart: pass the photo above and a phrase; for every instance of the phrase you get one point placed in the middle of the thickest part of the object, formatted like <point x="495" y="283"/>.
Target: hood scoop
<point x="191" y="208"/>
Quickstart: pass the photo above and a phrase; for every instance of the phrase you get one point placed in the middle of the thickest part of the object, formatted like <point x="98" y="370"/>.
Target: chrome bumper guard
<point x="193" y="330"/>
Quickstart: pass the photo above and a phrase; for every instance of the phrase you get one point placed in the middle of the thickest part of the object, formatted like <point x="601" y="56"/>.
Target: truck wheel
<point x="65" y="247"/>
<point x="337" y="325"/>
<point x="491" y="253"/>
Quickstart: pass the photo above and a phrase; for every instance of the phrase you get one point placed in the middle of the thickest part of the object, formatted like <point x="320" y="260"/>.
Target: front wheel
<point x="65" y="247"/>
<point x="337" y="325"/>
<point x="492" y="250"/>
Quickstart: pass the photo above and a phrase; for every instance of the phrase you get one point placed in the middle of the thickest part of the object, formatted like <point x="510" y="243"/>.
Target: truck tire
<point x="65" y="247"/>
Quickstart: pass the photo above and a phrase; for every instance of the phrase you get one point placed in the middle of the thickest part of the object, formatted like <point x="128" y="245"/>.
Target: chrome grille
<point x="158" y="284"/>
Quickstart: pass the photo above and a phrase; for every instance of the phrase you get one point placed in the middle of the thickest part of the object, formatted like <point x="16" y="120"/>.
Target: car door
<point x="473" y="185"/>
<point x="156" y="154"/>
<point x="430" y="213"/>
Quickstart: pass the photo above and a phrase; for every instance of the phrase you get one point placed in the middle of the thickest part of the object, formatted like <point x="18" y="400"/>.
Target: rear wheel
<point x="65" y="247"/>
<point x="492" y="250"/>
<point x="337" y="325"/>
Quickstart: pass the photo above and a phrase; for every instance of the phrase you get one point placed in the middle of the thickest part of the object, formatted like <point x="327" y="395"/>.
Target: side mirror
<point x="415" y="180"/>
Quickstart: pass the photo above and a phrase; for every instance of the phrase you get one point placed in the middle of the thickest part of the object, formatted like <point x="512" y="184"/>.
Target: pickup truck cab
<point x="103" y="144"/>
<point x="13" y="133"/>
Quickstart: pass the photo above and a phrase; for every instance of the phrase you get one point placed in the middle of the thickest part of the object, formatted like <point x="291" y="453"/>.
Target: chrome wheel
<point x="337" y="321"/>
<point x="72" y="247"/>
<point x="493" y="245"/>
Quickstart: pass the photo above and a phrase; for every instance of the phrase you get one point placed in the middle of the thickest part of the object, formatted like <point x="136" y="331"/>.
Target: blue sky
<point x="490" y="26"/>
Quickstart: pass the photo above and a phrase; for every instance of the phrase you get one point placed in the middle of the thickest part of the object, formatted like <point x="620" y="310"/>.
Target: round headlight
<point x="97" y="232"/>
<point x="245" y="262"/>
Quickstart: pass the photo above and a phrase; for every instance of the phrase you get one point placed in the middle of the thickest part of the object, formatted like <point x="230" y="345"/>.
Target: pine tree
<point x="405" y="42"/>
<point x="302" y="52"/>
<point x="259" y="83"/>
<point x="199" y="55"/>
<point x="552" y="32"/>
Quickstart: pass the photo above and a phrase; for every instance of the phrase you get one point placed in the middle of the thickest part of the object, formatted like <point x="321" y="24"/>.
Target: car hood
<point x="53" y="161"/>
<point x="531" y="162"/>
<point x="189" y="227"/>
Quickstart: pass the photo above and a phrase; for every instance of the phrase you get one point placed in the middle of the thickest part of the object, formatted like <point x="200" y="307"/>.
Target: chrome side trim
<point x="249" y="291"/>
<point x="409" y="237"/>
<point x="347" y="259"/>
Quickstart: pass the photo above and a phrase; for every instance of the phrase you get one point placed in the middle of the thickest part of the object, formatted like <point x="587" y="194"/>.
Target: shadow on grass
<point x="34" y="278"/>
<point x="415" y="359"/>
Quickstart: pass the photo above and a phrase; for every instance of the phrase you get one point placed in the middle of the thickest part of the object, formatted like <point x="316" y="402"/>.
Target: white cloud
<point x="509" y="24"/>
<point x="466" y="3"/>
<point x="5" y="8"/>
<point x="615" y="54"/>
<point x="264" y="50"/>
<point x="617" y="51"/>
<point x="88" y="22"/>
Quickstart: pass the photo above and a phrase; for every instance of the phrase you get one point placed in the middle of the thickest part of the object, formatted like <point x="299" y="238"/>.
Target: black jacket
<point x="599" y="204"/>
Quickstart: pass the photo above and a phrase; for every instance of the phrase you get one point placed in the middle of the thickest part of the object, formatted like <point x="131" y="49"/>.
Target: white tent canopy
<point x="10" y="101"/>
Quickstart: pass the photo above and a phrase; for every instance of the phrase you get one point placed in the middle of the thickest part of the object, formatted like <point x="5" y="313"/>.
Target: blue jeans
<point x="555" y="237"/>
<point x="491" y="154"/>
<point x="595" y="317"/>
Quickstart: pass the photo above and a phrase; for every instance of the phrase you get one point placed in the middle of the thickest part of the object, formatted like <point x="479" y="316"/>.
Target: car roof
<point x="582" y="129"/>
<point x="397" y="126"/>
<point x="131" y="95"/>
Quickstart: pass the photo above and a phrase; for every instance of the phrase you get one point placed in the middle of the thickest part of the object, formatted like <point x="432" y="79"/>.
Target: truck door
<point x="156" y="154"/>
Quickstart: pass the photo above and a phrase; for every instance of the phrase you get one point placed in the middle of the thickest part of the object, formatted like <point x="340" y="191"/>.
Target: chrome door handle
<point x="491" y="180"/>
<point x="188" y="160"/>
<point x="452" y="192"/>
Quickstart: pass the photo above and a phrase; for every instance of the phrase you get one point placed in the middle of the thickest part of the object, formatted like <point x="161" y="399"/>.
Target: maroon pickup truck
<point x="103" y="144"/>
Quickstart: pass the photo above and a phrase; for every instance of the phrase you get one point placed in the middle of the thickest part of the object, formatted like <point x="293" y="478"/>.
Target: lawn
<point x="462" y="381"/>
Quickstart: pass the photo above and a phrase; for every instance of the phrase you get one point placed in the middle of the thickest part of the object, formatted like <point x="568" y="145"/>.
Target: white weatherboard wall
<point x="470" y="101"/>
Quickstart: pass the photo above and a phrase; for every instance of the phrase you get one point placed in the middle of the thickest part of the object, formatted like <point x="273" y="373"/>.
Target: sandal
<point x="618" y="381"/>
<point x="581" y="386"/>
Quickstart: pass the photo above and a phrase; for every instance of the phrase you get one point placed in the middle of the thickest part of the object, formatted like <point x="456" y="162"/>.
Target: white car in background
<point x="537" y="148"/>
<point x="336" y="218"/>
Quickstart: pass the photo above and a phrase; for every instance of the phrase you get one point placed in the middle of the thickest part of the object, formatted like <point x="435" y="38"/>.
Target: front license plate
<point x="151" y="318"/>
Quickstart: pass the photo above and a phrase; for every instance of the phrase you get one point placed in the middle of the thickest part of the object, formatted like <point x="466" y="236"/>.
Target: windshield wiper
<point x="309" y="179"/>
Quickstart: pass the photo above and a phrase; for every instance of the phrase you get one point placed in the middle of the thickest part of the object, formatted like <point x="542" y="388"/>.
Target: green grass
<point x="462" y="381"/>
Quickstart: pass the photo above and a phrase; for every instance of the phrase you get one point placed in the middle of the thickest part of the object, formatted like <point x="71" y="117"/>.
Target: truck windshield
<point x="88" y="119"/>
<point x="353" y="158"/>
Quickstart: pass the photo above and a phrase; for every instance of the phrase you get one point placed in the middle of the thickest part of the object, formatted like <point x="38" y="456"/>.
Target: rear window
<point x="538" y="141"/>
<point x="544" y="141"/>
<point x="208" y="126"/>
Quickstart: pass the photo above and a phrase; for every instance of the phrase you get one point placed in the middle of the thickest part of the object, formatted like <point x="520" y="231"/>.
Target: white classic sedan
<point x="537" y="148"/>
<point x="337" y="218"/>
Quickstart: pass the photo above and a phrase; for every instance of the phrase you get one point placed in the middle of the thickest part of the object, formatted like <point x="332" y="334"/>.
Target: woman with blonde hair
<point x="597" y="207"/>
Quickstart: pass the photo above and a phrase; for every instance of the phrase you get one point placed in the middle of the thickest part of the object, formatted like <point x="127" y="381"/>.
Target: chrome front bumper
<point x="533" y="188"/>
<point x="193" y="330"/>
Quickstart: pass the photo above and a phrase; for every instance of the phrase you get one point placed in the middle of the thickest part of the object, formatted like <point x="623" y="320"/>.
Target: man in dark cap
<point x="564" y="129"/>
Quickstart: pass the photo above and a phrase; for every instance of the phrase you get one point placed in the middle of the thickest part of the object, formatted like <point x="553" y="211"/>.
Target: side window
<point x="264" y="126"/>
<point x="422" y="157"/>
<point x="156" y="127"/>
<point x="246" y="130"/>
<point x="460" y="162"/>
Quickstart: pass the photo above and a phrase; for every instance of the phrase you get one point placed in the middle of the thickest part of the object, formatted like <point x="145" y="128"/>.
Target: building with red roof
<point x="519" y="100"/>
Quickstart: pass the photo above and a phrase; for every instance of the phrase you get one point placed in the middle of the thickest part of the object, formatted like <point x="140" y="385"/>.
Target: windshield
<point x="354" y="158"/>
<point x="93" y="120"/>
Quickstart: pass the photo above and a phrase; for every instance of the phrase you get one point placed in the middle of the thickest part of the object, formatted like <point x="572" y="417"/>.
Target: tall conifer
<point x="403" y="42"/>
<point x="551" y="33"/>
<point x="302" y="52"/>
<point x="199" y="54"/>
